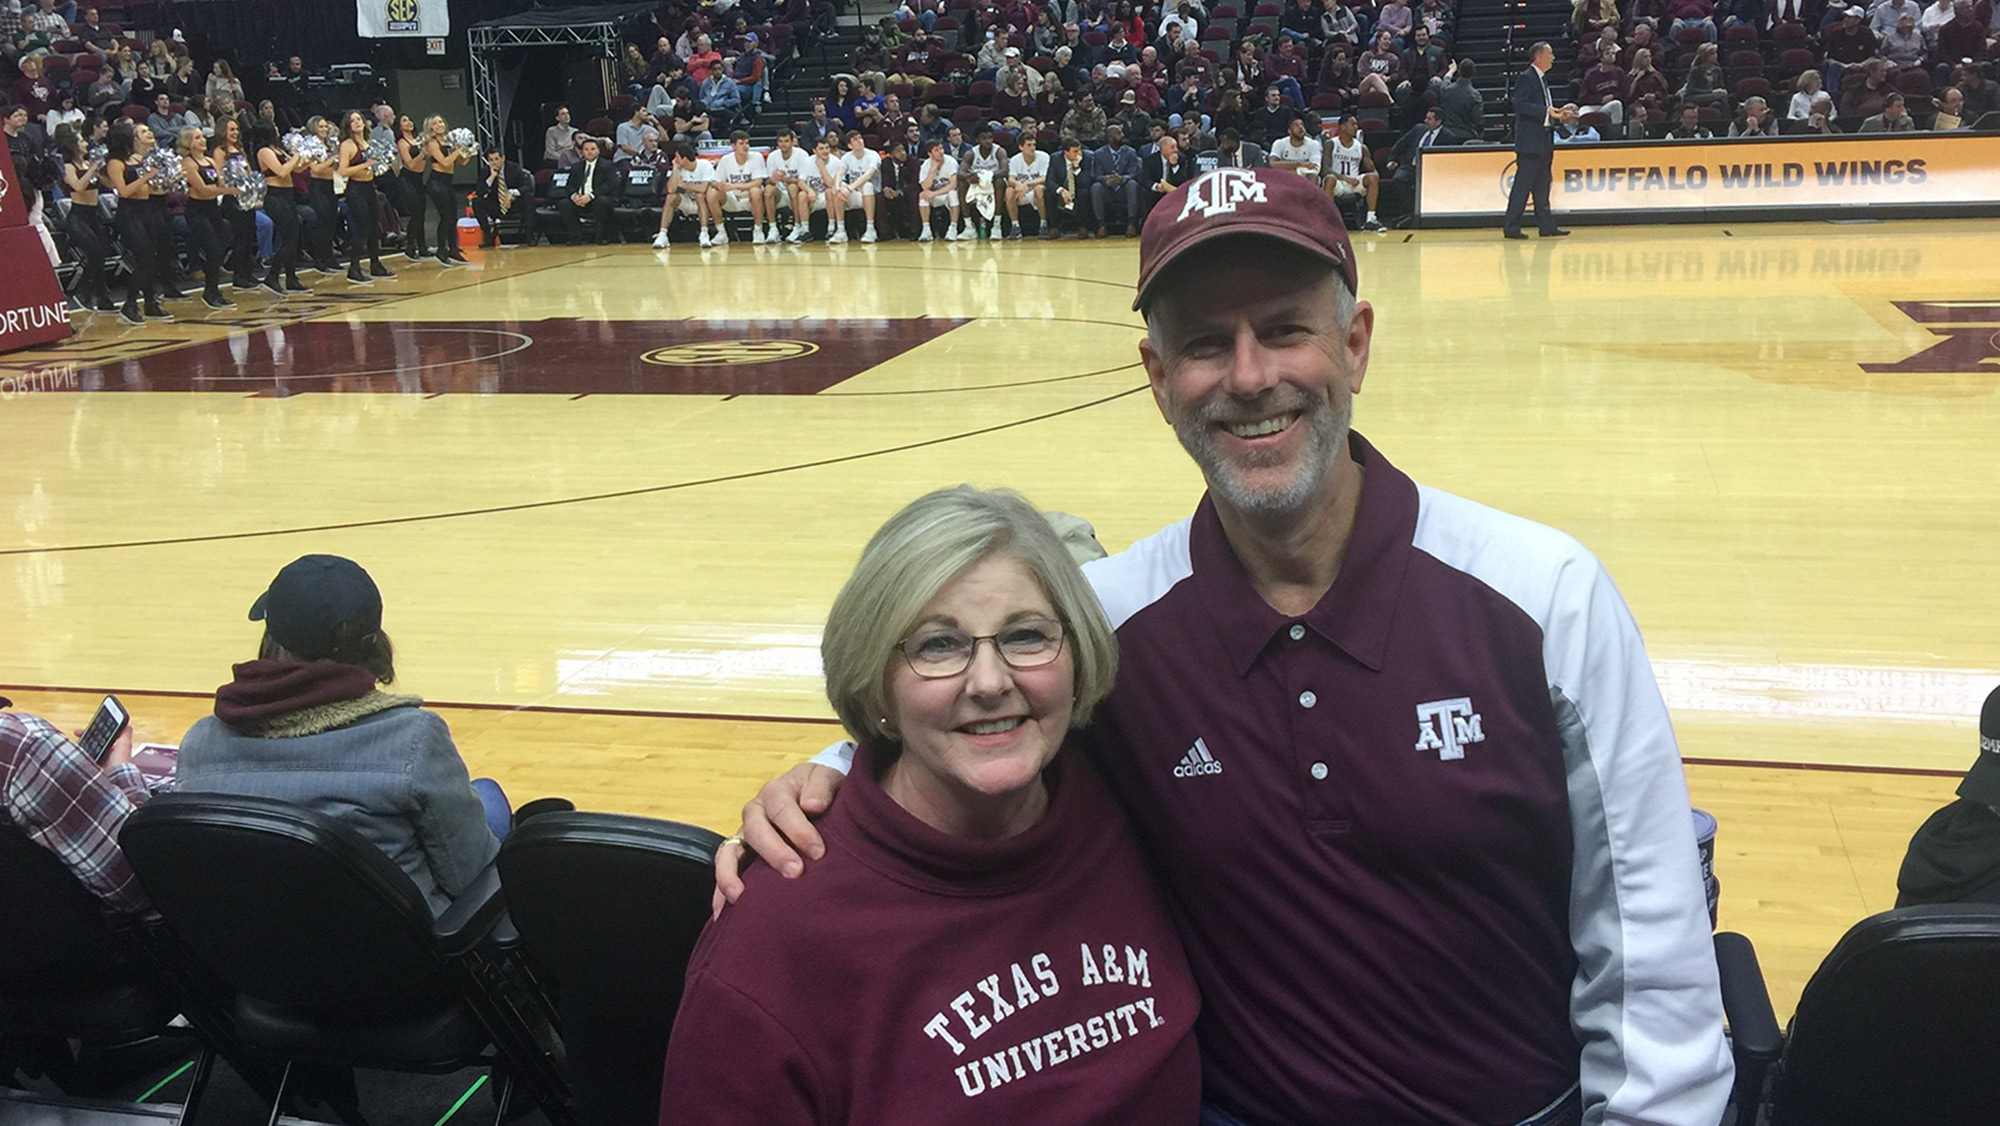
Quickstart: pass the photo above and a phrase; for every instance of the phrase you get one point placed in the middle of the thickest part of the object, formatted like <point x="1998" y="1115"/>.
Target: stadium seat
<point x="1227" y="12"/>
<point x="1788" y="33"/>
<point x="621" y="105"/>
<point x="1739" y="34"/>
<point x="1096" y="38"/>
<point x="1595" y="119"/>
<point x="1744" y="60"/>
<point x="72" y="973"/>
<point x="1914" y="83"/>
<point x="1794" y="62"/>
<point x="330" y="955"/>
<point x="941" y="92"/>
<point x="1711" y="116"/>
<point x="982" y="92"/>
<point x="969" y="116"/>
<point x="137" y="115"/>
<point x="1261" y="25"/>
<point x="1262" y="10"/>
<point x="639" y="201"/>
<point x="600" y="127"/>
<point x="1690" y="36"/>
<point x="1327" y="101"/>
<point x="1373" y="99"/>
<point x="1897" y="1025"/>
<point x="1753" y="87"/>
<point x="609" y="908"/>
<point x="1214" y="34"/>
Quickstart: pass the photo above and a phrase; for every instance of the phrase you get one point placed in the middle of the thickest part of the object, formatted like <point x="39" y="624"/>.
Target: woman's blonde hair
<point x="918" y="553"/>
<point x="184" y="144"/>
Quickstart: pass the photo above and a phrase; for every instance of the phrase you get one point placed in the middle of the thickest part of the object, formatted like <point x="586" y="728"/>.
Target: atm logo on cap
<point x="1218" y="193"/>
<point x="1989" y="746"/>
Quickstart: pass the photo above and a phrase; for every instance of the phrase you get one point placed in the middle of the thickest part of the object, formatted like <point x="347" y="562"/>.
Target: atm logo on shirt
<point x="1446" y="726"/>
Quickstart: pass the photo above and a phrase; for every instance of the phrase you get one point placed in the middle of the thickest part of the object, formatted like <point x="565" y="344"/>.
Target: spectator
<point x="95" y="37"/>
<point x="559" y="141"/>
<point x="871" y="60"/>
<point x="1864" y="98"/>
<point x="1821" y="119"/>
<point x="1938" y="14"/>
<point x="185" y="84"/>
<point x="1955" y="856"/>
<point x="1903" y="45"/>
<point x="921" y="61"/>
<point x="721" y="98"/>
<point x="1848" y="42"/>
<point x="1570" y="130"/>
<point x="1705" y="84"/>
<point x="1802" y="101"/>
<point x="32" y="91"/>
<point x="895" y="207"/>
<point x="1129" y="117"/>
<point x="1639" y="123"/>
<point x="1114" y="183"/>
<point x="1381" y="66"/>
<point x="1690" y="128"/>
<point x="163" y="121"/>
<point x="1961" y="37"/>
<point x="1692" y="14"/>
<point x="305" y="723"/>
<point x="1982" y="94"/>
<point x="1893" y="118"/>
<point x="703" y="62"/>
<point x="931" y="125"/>
<point x="1273" y="119"/>
<point x="1605" y="87"/>
<point x="1593" y="50"/>
<point x="1755" y="120"/>
<point x="1395" y="18"/>
<point x="632" y="134"/>
<point x="1884" y="15"/>
<point x="222" y="80"/>
<point x="47" y="23"/>
<point x="1587" y="16"/>
<point x="1647" y="86"/>
<point x="1951" y="111"/>
<point x="1460" y="104"/>
<point x="57" y="797"/>
<point x="1286" y="68"/>
<point x="64" y="113"/>
<point x="1300" y="24"/>
<point x="1338" y="23"/>
<point x="1086" y="122"/>
<point x="818" y="125"/>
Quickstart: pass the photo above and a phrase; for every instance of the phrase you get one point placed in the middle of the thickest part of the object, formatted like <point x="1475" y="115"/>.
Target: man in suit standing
<point x="1534" y="145"/>
<point x="591" y="194"/>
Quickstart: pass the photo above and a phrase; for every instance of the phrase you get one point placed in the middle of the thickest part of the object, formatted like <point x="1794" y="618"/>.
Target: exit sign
<point x="434" y="45"/>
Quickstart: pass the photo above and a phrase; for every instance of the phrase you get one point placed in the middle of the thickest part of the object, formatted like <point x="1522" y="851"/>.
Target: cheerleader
<point x="208" y="231"/>
<point x="126" y="148"/>
<point x="437" y="186"/>
<point x="281" y="203"/>
<point x="364" y="226"/>
<point x="320" y="198"/>
<point x="82" y="179"/>
<point x="240" y="220"/>
<point x="410" y="186"/>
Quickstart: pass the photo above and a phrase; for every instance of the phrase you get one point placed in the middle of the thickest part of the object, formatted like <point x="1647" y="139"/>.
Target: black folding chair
<point x="1899" y="1025"/>
<point x="609" y="908"/>
<point x="639" y="203"/>
<point x="76" y="982"/>
<point x="330" y="953"/>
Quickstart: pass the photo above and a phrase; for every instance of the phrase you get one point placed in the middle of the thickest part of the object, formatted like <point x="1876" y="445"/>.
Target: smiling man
<point x="1398" y="758"/>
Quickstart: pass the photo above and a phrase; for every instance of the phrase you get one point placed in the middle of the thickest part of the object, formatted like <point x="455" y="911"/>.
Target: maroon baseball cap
<point x="1243" y="201"/>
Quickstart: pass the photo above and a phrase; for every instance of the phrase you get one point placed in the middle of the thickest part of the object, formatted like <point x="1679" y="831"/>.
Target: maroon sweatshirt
<point x="923" y="979"/>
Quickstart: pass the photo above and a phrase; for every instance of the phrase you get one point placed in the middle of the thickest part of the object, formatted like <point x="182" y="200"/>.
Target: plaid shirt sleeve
<point x="58" y="797"/>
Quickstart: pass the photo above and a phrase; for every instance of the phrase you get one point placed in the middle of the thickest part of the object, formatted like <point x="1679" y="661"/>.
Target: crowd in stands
<point x="960" y="104"/>
<point x="1694" y="69"/>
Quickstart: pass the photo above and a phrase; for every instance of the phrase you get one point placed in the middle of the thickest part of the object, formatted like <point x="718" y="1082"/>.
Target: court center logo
<point x="729" y="353"/>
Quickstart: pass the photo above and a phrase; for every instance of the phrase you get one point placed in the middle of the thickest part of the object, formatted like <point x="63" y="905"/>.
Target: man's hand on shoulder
<point x="777" y="828"/>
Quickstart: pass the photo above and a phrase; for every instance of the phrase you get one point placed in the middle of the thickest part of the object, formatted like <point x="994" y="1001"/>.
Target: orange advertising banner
<point x="1905" y="171"/>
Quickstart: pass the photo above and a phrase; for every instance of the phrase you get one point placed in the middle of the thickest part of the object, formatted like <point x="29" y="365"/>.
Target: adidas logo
<point x="1197" y="762"/>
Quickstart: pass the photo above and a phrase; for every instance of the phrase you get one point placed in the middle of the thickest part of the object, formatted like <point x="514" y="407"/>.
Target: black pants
<point x="326" y="213"/>
<point x="599" y="208"/>
<point x="142" y="252"/>
<point x="166" y="278"/>
<point x="437" y="189"/>
<point x="282" y="205"/>
<point x="86" y="233"/>
<point x="410" y="194"/>
<point x="364" y="227"/>
<point x="242" y="227"/>
<point x="208" y="237"/>
<point x="1531" y="177"/>
<point x="489" y="215"/>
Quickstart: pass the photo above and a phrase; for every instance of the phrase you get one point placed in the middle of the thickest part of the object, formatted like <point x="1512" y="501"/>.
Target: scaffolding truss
<point x="598" y="28"/>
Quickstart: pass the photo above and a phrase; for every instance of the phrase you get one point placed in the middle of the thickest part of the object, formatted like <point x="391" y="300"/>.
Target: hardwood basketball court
<point x="608" y="493"/>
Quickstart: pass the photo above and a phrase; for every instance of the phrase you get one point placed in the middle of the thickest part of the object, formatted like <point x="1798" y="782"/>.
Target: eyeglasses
<point x="938" y="653"/>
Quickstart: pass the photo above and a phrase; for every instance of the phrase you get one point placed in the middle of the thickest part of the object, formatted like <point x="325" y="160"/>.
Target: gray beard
<point x="1327" y="424"/>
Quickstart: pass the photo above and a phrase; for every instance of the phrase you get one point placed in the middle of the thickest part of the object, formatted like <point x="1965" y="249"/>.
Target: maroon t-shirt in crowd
<point x="919" y="978"/>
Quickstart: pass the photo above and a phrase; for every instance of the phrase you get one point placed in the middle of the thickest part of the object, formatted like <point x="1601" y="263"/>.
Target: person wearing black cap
<point x="1398" y="758"/>
<point x="1955" y="856"/>
<point x="306" y="723"/>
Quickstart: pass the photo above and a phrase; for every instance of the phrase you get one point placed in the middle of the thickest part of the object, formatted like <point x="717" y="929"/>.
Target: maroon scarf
<point x="265" y="690"/>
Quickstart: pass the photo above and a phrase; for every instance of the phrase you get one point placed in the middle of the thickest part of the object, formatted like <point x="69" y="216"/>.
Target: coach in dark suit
<point x="1534" y="145"/>
<point x="1162" y="170"/>
<point x="593" y="185"/>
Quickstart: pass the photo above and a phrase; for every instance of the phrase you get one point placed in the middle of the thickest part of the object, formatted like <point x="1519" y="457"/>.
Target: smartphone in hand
<point x="105" y="727"/>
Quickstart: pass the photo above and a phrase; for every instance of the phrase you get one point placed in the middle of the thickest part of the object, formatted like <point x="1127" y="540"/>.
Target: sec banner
<point x="1781" y="178"/>
<point x="400" y="19"/>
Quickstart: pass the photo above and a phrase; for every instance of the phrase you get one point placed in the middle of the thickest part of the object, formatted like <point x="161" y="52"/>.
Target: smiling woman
<point x="977" y="871"/>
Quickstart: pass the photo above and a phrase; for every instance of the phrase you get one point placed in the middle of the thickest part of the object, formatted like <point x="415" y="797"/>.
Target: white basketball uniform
<point x="736" y="177"/>
<point x="693" y="182"/>
<point x="1022" y="172"/>
<point x="793" y="166"/>
<point x="1344" y="160"/>
<point x="854" y="170"/>
<point x="935" y="179"/>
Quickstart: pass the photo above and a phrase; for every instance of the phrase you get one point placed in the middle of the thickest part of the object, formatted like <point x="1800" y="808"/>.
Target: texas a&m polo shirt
<point x="1429" y="843"/>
